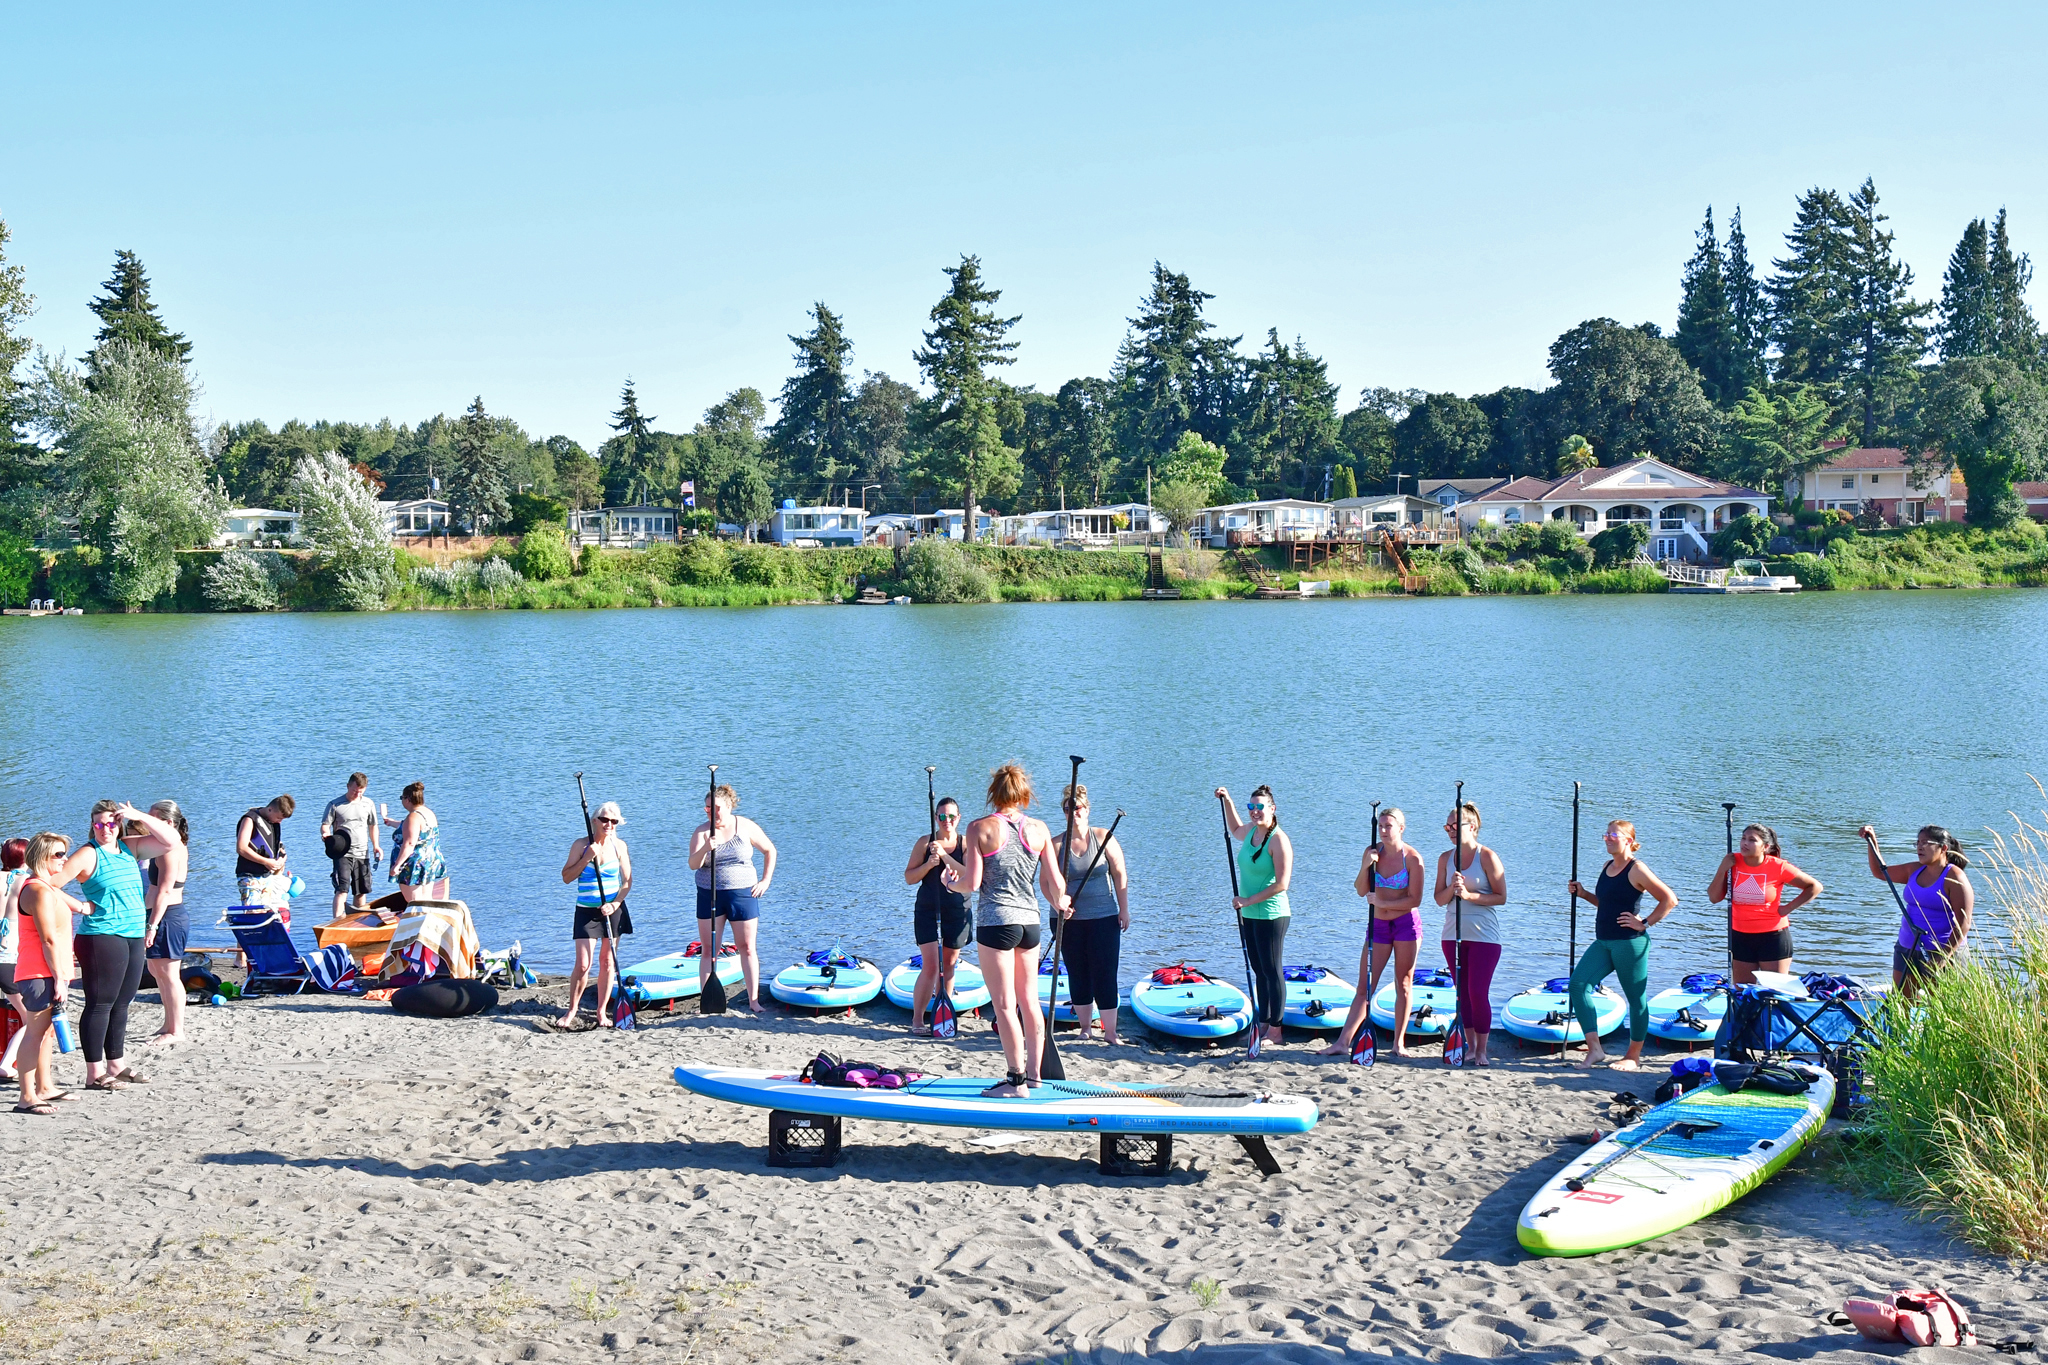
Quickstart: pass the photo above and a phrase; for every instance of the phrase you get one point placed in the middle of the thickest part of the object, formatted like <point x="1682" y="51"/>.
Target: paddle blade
<point x="1049" y="1068"/>
<point x="1454" y="1044"/>
<point x="945" y="1023"/>
<point x="623" y="1015"/>
<point x="712" y="999"/>
<point x="1366" y="1049"/>
<point x="1251" y="1049"/>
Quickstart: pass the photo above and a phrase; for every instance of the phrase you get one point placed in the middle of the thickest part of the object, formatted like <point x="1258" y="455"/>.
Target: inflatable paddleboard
<point x="831" y="982"/>
<point x="1430" y="1006"/>
<point x="970" y="991"/>
<point x="1316" y="997"/>
<point x="1205" y="1009"/>
<point x="1691" y="1011"/>
<point x="1666" y="1182"/>
<point x="675" y="976"/>
<point x="1543" y="1014"/>
<point x="1053" y="1107"/>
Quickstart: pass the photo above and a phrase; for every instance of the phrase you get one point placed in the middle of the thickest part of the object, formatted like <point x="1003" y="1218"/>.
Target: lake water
<point x="1815" y="713"/>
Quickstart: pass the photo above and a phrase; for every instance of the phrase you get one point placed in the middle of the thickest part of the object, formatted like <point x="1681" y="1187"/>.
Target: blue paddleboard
<point x="1430" y="1007"/>
<point x="970" y="991"/>
<point x="1316" y="997"/>
<point x="827" y="985"/>
<point x="1207" y="1009"/>
<point x="1543" y="1014"/>
<point x="675" y="976"/>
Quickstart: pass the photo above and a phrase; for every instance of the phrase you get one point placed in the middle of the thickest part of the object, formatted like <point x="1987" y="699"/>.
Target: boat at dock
<point x="1744" y="576"/>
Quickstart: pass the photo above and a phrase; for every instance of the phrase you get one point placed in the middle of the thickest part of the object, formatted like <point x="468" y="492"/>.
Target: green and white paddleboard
<point x="1671" y="1181"/>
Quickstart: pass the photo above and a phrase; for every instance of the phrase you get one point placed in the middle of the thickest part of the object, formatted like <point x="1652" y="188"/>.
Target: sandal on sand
<point x="60" y="1097"/>
<point x="128" y="1075"/>
<point x="43" y="1109"/>
<point x="102" y="1083"/>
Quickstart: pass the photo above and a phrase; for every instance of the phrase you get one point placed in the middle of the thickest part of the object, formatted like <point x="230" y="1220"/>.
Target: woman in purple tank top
<point x="1938" y="899"/>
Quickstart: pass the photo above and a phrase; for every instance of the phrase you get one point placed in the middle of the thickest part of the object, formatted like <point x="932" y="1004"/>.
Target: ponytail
<point x="1772" y="848"/>
<point x="1935" y="834"/>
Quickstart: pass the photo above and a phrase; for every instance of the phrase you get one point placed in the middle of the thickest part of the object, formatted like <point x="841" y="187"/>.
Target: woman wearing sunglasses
<point x="1390" y="879"/>
<point x="109" y="940"/>
<point x="1265" y="866"/>
<point x="944" y="920"/>
<point x="602" y="872"/>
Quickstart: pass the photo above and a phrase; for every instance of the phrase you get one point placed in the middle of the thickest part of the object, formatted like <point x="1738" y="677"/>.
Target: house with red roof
<point x="1883" y="475"/>
<point x="1680" y="509"/>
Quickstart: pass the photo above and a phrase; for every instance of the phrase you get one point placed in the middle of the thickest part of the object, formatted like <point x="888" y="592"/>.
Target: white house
<point x="1261" y="523"/>
<point x="793" y="525"/>
<point x="1881" y="474"/>
<point x="625" y="528"/>
<point x="1680" y="510"/>
<point x="415" y="517"/>
<point x="948" y="521"/>
<point x="1081" y="525"/>
<point x="1351" y="516"/>
<point x="257" y="526"/>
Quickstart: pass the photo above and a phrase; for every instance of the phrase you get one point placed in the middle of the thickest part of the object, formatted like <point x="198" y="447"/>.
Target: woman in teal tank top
<point x="1265" y="866"/>
<point x="108" y="943"/>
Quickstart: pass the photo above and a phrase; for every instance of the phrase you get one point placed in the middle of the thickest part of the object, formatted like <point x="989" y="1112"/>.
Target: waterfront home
<point x="2036" y="495"/>
<point x="1451" y="492"/>
<point x="889" y="528"/>
<point x="1679" y="509"/>
<point x="948" y="521"/>
<point x="415" y="517"/>
<point x="793" y="525"/>
<point x="257" y="526"/>
<point x="1260" y="523"/>
<point x="626" y="528"/>
<point x="1882" y="475"/>
<point x="1081" y="526"/>
<point x="1353" y="516"/>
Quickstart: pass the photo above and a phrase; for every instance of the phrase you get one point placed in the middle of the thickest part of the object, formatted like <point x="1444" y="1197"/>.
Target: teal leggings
<point x="1627" y="958"/>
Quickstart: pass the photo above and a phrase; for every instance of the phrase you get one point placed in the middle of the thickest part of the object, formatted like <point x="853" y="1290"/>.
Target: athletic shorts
<point x="1007" y="937"/>
<point x="948" y="928"/>
<point x="38" y="993"/>
<point x="7" y="978"/>
<point x="733" y="904"/>
<point x="171" y="932"/>
<point x="590" y="922"/>
<point x="352" y="877"/>
<point x="1773" y="946"/>
<point x="1406" y="929"/>
<point x="1918" y="964"/>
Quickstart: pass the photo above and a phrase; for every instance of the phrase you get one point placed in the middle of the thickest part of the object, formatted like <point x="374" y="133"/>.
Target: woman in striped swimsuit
<point x="602" y="872"/>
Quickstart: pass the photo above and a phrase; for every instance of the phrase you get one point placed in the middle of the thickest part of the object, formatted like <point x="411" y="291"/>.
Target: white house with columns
<point x="1681" y="510"/>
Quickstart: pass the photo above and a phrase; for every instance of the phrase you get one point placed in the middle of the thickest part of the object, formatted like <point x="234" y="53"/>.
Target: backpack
<point x="826" y="1069"/>
<point x="1919" y="1317"/>
<point x="1774" y="1077"/>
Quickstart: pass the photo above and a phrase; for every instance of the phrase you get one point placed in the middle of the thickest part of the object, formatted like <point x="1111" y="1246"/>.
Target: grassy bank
<point x="1958" y="1125"/>
<point x="1942" y="555"/>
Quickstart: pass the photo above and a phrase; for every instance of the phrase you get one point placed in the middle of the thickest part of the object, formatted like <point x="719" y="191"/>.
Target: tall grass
<point x="1958" y="1122"/>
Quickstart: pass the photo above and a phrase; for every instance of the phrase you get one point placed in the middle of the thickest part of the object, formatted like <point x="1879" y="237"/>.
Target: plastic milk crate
<point x="1136" y="1153"/>
<point x="802" y="1140"/>
<point x="1830" y="1030"/>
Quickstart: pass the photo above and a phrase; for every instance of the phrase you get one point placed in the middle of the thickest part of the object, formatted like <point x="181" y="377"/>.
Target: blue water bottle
<point x="64" y="1040"/>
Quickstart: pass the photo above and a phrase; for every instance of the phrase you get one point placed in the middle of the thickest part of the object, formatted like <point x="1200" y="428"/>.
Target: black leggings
<point x="111" y="967"/>
<point x="1091" y="947"/>
<point x="1262" y="940"/>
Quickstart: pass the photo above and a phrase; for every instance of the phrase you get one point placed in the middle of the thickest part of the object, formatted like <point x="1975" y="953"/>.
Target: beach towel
<point x="433" y="938"/>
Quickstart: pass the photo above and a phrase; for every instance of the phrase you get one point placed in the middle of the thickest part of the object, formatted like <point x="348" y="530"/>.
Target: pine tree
<point x="1171" y="374"/>
<point x="1811" y="294"/>
<point x="16" y="304"/>
<point x="2015" y="334"/>
<point x="126" y="313"/>
<point x="1291" y="428"/>
<point x="1966" y="325"/>
<point x="1886" y="338"/>
<point x="1749" y="308"/>
<point x="1707" y="335"/>
<point x="958" y="425"/>
<point x="813" y="435"/>
<point x="476" y="484"/>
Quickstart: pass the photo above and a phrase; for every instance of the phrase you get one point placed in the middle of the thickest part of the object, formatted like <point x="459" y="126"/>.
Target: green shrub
<point x="1557" y="538"/>
<point x="1628" y="578"/>
<point x="1516" y="581"/>
<point x="1744" y="537"/>
<point x="246" y="580"/>
<point x="531" y="510"/>
<point x="937" y="570"/>
<point x="543" y="554"/>
<point x="589" y="562"/>
<point x="704" y="562"/>
<point x="1815" y="572"/>
<point x="763" y="565"/>
<point x="1521" y="540"/>
<point x="1465" y="560"/>
<point x="18" y="564"/>
<point x="1617" y="545"/>
<point x="72" y="575"/>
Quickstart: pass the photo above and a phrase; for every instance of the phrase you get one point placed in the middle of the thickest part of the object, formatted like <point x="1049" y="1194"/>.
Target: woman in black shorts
<point x="602" y="872"/>
<point x="944" y="922"/>
<point x="163" y="940"/>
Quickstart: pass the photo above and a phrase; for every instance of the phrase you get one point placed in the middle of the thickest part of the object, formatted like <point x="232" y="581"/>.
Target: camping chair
<point x="275" y="960"/>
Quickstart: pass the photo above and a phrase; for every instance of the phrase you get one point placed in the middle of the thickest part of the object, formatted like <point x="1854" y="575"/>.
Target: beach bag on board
<point x="826" y="1069"/>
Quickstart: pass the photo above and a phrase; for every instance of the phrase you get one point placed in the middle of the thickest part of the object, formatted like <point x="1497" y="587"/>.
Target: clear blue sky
<point x="357" y="212"/>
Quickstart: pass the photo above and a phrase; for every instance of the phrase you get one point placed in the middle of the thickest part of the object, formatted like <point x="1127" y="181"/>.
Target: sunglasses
<point x="949" y="815"/>
<point x="1256" y="806"/>
<point x="606" y="820"/>
<point x="106" y="824"/>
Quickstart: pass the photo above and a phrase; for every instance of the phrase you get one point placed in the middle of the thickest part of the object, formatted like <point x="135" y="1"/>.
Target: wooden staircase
<point x="1411" y="581"/>
<point x="1157" y="589"/>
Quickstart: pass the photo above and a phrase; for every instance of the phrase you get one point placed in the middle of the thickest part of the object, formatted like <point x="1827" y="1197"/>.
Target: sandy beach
<point x="320" y="1178"/>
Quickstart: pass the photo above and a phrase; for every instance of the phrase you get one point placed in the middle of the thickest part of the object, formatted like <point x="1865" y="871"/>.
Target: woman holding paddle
<point x="943" y="920"/>
<point x="1753" y="880"/>
<point x="1265" y="867"/>
<point x="1390" y="878"/>
<point x="1471" y="932"/>
<point x="1003" y="854"/>
<point x="729" y="890"/>
<point x="1936" y="902"/>
<point x="601" y="870"/>
<point x="1102" y="912"/>
<point x="1621" y="943"/>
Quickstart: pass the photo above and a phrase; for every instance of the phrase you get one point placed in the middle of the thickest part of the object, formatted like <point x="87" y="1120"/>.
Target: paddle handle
<point x="1572" y="950"/>
<point x="1920" y="935"/>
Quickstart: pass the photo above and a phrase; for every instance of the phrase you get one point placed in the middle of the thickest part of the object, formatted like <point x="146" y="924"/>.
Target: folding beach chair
<point x="275" y="961"/>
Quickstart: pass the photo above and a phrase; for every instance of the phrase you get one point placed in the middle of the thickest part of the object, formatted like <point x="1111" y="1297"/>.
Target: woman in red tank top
<point x="1759" y="930"/>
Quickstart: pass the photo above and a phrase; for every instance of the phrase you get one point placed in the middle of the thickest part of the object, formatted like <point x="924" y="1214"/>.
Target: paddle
<point x="1454" y="1033"/>
<point x="1244" y="946"/>
<point x="1921" y="936"/>
<point x="1049" y="1066"/>
<point x="711" y="996"/>
<point x="1685" y="1128"/>
<point x="945" y="1023"/>
<point x="1571" y="961"/>
<point x="1729" y="808"/>
<point x="1365" y="1047"/>
<point x="590" y="845"/>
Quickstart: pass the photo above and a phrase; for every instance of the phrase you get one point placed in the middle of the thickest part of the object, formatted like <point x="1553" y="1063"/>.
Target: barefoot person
<point x="260" y="855"/>
<point x="729" y="890"/>
<point x="1621" y="943"/>
<point x="1759" y="927"/>
<point x="602" y="871"/>
<point x="1390" y="878"/>
<point x="416" y="862"/>
<point x="109" y="939"/>
<point x="1102" y="913"/>
<point x="43" y="969"/>
<point x="1265" y="867"/>
<point x="13" y="872"/>
<point x="163" y="942"/>
<point x="1004" y="852"/>
<point x="348" y="829"/>
<point x="1472" y="892"/>
<point x="943" y="920"/>
<point x="1939" y="905"/>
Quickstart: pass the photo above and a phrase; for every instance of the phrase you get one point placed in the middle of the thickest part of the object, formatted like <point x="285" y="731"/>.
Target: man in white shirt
<point x="348" y="829"/>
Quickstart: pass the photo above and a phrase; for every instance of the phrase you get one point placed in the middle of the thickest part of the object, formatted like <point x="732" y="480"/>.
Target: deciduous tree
<point x="1772" y="441"/>
<point x="1629" y="392"/>
<point x="1987" y="417"/>
<point x="1442" y="437"/>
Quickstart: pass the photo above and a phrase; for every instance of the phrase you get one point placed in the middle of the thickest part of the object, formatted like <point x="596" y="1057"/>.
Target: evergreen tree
<point x="126" y="313"/>
<point x="813" y="435"/>
<point x="958" y="427"/>
<point x="2016" y="336"/>
<point x="1772" y="441"/>
<point x="1081" y="434"/>
<point x="1367" y="433"/>
<point x="23" y="467"/>
<point x="1291" y="425"/>
<point x="1707" y="334"/>
<point x="881" y="426"/>
<point x="1171" y="373"/>
<point x="1343" y="484"/>
<point x="1748" y="306"/>
<point x="1886" y="337"/>
<point x="1811" y="296"/>
<point x="476" y="480"/>
<point x="1966" y="326"/>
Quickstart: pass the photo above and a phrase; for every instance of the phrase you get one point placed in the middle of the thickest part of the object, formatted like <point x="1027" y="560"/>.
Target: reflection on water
<point x="1814" y="713"/>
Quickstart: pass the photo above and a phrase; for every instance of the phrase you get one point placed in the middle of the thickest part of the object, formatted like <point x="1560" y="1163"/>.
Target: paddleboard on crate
<point x="1691" y="1011"/>
<point x="1668" y="1181"/>
<point x="970" y="991"/>
<point x="1316" y="997"/>
<point x="1543" y="1014"/>
<point x="1051" y="1107"/>
<point x="1430" y="1007"/>
<point x="836" y="983"/>
<point x="1204" y="1009"/>
<point x="675" y="976"/>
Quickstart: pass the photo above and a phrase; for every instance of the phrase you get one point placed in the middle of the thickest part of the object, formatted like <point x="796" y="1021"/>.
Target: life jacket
<point x="1179" y="974"/>
<point x="826" y="1069"/>
<point x="1920" y="1317"/>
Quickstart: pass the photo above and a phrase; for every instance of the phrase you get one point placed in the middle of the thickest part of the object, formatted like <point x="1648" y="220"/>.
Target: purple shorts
<point x="1406" y="929"/>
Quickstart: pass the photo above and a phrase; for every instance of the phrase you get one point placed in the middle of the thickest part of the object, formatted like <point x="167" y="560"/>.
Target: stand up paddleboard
<point x="970" y="991"/>
<point x="1543" y="1014"/>
<point x="1200" y="1009"/>
<point x="1316" y="997"/>
<point x="1652" y="1179"/>
<point x="829" y="981"/>
<point x="1691" y="1011"/>
<point x="1431" y="1006"/>
<point x="661" y="979"/>
<point x="1065" y="1014"/>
